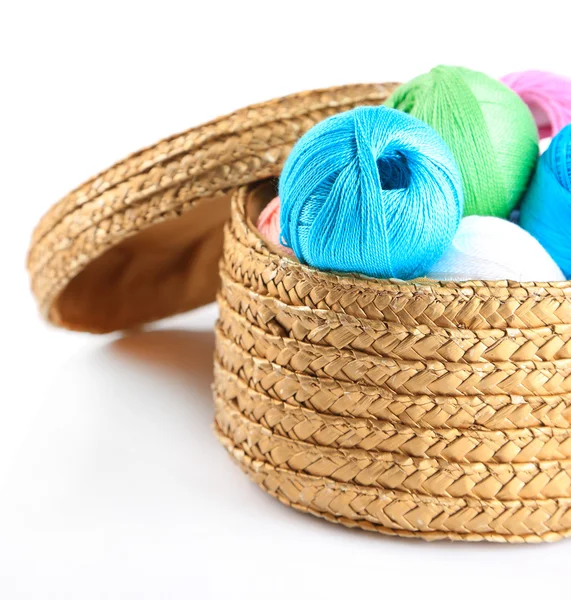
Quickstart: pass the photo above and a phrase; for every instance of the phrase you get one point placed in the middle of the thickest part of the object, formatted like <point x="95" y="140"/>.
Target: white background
<point x="112" y="484"/>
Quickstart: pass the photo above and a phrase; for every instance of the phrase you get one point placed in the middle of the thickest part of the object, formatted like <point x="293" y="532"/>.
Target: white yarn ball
<point x="489" y="248"/>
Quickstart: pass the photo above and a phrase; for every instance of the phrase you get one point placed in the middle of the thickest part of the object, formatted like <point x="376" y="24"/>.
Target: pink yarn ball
<point x="269" y="225"/>
<point x="548" y="97"/>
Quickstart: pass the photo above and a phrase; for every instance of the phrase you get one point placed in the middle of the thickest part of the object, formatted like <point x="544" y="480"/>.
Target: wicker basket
<point x="436" y="410"/>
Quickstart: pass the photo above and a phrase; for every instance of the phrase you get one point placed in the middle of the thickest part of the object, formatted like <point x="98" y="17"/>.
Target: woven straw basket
<point x="436" y="410"/>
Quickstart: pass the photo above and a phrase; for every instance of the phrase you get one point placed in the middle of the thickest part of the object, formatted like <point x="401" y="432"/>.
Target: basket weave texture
<point x="86" y="277"/>
<point x="437" y="410"/>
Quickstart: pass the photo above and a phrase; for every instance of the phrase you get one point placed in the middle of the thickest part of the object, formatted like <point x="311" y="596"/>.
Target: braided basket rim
<point x="360" y="281"/>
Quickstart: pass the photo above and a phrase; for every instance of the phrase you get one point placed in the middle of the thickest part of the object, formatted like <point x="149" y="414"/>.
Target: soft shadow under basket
<point x="436" y="410"/>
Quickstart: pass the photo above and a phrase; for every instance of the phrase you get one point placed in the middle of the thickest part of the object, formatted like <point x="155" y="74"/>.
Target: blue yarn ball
<point x="371" y="191"/>
<point x="546" y="208"/>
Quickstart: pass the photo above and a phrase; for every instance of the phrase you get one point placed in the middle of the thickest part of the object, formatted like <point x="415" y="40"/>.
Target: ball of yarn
<point x="488" y="127"/>
<point x="546" y="208"/>
<point x="269" y="225"/>
<point x="371" y="191"/>
<point x="488" y="248"/>
<point x="548" y="97"/>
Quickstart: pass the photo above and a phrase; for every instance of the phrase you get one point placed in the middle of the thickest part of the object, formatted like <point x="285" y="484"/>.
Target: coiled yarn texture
<point x="546" y="209"/>
<point x="548" y="96"/>
<point x="268" y="225"/>
<point x="490" y="131"/>
<point x="372" y="191"/>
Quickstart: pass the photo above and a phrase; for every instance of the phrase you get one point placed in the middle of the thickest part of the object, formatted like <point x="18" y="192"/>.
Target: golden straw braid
<point x="435" y="477"/>
<point x="328" y="328"/>
<point x="472" y="305"/>
<point x="403" y="376"/>
<point x="455" y="445"/>
<point x="407" y="514"/>
<point x="165" y="180"/>
<point x="303" y="356"/>
<point x="328" y="396"/>
<point x="178" y="147"/>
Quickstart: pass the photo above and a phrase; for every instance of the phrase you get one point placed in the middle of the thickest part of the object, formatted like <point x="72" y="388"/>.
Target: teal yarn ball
<point x="371" y="191"/>
<point x="488" y="127"/>
<point x="546" y="208"/>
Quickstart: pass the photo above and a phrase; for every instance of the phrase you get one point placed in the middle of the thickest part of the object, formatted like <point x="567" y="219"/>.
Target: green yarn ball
<point x="489" y="129"/>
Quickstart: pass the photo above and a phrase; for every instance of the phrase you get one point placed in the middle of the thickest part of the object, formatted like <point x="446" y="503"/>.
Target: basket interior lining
<point x="165" y="269"/>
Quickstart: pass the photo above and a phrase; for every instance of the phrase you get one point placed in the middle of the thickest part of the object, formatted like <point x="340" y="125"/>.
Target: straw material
<point x="437" y="410"/>
<point x="86" y="271"/>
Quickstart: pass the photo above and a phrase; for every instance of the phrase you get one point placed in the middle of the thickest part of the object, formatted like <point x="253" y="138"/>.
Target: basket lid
<point x="142" y="240"/>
